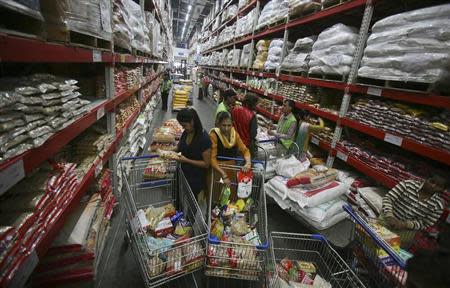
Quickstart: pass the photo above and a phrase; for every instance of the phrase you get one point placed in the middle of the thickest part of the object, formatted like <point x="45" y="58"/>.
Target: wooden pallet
<point x="15" y="23"/>
<point x="403" y="85"/>
<point x="121" y="50"/>
<point x="62" y="34"/>
<point x="330" y="77"/>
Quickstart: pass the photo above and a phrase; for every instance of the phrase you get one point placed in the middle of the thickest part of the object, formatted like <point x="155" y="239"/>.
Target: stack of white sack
<point x="245" y="24"/>
<point x="298" y="58"/>
<point x="246" y="56"/>
<point x="411" y="46"/>
<point x="275" y="53"/>
<point x="227" y="34"/>
<point x="236" y="56"/>
<point x="316" y="196"/>
<point x="274" y="11"/>
<point x="230" y="12"/>
<point x="139" y="29"/>
<point x="333" y="51"/>
<point x="303" y="7"/>
<point x="223" y="57"/>
<point x="230" y="57"/>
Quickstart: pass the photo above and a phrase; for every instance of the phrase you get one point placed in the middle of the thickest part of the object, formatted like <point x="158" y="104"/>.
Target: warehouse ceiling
<point x="197" y="11"/>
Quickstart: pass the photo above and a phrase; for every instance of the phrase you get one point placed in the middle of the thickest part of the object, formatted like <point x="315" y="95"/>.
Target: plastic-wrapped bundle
<point x="333" y="51"/>
<point x="411" y="46"/>
<point x="242" y="4"/>
<point x="298" y="58"/>
<point x="246" y="56"/>
<point x="244" y="25"/>
<point x="231" y="12"/>
<point x="236" y="56"/>
<point x="91" y="17"/>
<point x="229" y="57"/>
<point x="140" y="41"/>
<point x="223" y="57"/>
<point x="275" y="54"/>
<point x="123" y="33"/>
<point x="274" y="11"/>
<point x="262" y="48"/>
<point x="227" y="34"/>
<point x="302" y="7"/>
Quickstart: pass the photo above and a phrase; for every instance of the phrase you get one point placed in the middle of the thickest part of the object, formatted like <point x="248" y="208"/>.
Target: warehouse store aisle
<point x="118" y="267"/>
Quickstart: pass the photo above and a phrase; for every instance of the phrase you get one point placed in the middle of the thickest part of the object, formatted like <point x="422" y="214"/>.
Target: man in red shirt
<point x="245" y="122"/>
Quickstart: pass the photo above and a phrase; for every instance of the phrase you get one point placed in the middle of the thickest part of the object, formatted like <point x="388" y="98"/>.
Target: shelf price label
<point x="96" y="56"/>
<point x="11" y="175"/>
<point x="100" y="112"/>
<point x="98" y="168"/>
<point x="122" y="58"/>
<point x="342" y="156"/>
<point x="314" y="140"/>
<point x="374" y="91"/>
<point x="396" y="140"/>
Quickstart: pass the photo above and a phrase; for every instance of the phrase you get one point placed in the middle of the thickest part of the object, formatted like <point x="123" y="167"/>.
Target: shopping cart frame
<point x="251" y="270"/>
<point x="174" y="189"/>
<point x="378" y="270"/>
<point x="285" y="153"/>
<point x="311" y="248"/>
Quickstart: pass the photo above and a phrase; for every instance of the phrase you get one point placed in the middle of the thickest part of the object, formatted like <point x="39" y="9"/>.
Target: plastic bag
<point x="9" y="117"/>
<point x="245" y="181"/>
<point x="6" y="126"/>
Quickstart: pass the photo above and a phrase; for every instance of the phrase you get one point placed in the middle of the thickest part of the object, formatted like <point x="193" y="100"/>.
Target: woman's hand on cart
<point x="247" y="167"/>
<point x="226" y="180"/>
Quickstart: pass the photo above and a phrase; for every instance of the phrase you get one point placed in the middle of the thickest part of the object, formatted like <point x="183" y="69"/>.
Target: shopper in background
<point x="228" y="102"/>
<point x="413" y="206"/>
<point x="204" y="85"/>
<point x="305" y="129"/>
<point x="195" y="148"/>
<point x="245" y="122"/>
<point x="165" y="89"/>
<point x="287" y="125"/>
<point x="226" y="142"/>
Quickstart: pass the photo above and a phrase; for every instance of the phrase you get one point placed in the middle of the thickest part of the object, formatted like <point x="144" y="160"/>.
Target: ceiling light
<point x="189" y="7"/>
<point x="187" y="16"/>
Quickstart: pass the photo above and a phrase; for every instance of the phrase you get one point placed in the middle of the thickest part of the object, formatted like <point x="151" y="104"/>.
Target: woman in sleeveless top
<point x="226" y="142"/>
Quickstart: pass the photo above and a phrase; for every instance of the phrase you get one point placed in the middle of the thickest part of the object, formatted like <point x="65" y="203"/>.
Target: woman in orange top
<point x="226" y="142"/>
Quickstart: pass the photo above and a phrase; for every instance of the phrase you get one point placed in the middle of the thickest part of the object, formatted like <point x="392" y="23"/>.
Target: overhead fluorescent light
<point x="187" y="16"/>
<point x="189" y="7"/>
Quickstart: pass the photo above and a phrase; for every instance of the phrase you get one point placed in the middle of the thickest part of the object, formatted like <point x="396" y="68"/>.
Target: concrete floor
<point x="118" y="267"/>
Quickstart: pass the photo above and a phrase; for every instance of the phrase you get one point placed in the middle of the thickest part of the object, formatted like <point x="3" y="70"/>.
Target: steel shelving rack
<point x="364" y="10"/>
<point x="16" y="49"/>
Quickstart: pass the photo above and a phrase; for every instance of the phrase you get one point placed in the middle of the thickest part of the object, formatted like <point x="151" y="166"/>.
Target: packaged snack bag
<point x="245" y="180"/>
<point x="225" y="196"/>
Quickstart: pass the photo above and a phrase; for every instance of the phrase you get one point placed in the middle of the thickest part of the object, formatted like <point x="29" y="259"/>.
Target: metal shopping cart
<point x="383" y="265"/>
<point x="313" y="248"/>
<point x="233" y="258"/>
<point x="161" y="260"/>
<point x="271" y="150"/>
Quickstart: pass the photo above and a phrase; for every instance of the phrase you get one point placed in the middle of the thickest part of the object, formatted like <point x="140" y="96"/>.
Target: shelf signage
<point x="396" y="140"/>
<point x="96" y="56"/>
<point x="100" y="112"/>
<point x="342" y="156"/>
<point x="374" y="91"/>
<point x="314" y="140"/>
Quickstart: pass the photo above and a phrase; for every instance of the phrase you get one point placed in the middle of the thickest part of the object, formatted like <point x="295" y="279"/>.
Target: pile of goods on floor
<point x="171" y="242"/>
<point x="182" y="97"/>
<point x="34" y="108"/>
<point x="298" y="273"/>
<point x="76" y="252"/>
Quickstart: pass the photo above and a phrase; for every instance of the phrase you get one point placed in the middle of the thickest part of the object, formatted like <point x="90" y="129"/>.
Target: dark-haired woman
<point x="195" y="148"/>
<point x="226" y="142"/>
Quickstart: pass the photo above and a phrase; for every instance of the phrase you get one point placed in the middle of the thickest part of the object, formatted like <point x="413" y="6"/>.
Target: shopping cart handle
<point x="139" y="157"/>
<point x="238" y="159"/>
<point x="269" y="140"/>
<point x="319" y="237"/>
<point x="399" y="261"/>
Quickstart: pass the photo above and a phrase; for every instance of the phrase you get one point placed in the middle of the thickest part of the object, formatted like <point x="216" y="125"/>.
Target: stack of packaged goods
<point x="429" y="127"/>
<point x="134" y="77"/>
<point x="298" y="58"/>
<point x="245" y="24"/>
<point x="29" y="210"/>
<point x="299" y="273"/>
<point x="223" y="57"/>
<point x="309" y="190"/>
<point x="82" y="16"/>
<point x="122" y="30"/>
<point x="262" y="48"/>
<point x="166" y="137"/>
<point x="181" y="97"/>
<point x="242" y="4"/>
<point x="227" y="34"/>
<point x="76" y="252"/>
<point x="268" y="85"/>
<point x="300" y="93"/>
<point x="234" y="219"/>
<point x="120" y="81"/>
<point x="266" y="105"/>
<point x="275" y="53"/>
<point x="401" y="49"/>
<point x="324" y="135"/>
<point x="230" y="12"/>
<point x="235" y="57"/>
<point x="303" y="7"/>
<point x="124" y="111"/>
<point x="386" y="160"/>
<point x="333" y="51"/>
<point x="273" y="11"/>
<point x="34" y="108"/>
<point x="246" y="56"/>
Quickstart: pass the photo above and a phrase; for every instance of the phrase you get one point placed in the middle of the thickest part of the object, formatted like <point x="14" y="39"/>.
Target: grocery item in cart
<point x="156" y="169"/>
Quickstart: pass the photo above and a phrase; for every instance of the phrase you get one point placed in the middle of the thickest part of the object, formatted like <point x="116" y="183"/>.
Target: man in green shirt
<point x="229" y="99"/>
<point x="287" y="125"/>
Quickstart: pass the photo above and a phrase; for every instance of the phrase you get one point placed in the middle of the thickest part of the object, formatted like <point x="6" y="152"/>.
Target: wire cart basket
<point x="312" y="248"/>
<point x="271" y="150"/>
<point x="384" y="266"/>
<point x="174" y="258"/>
<point x="228" y="260"/>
